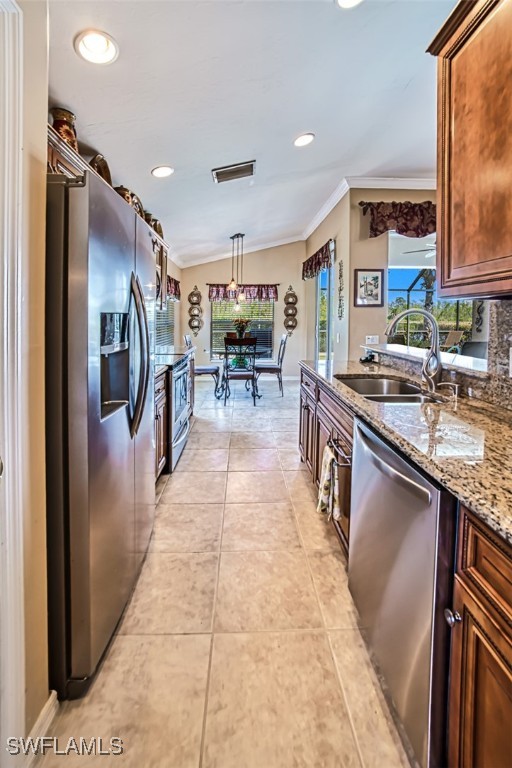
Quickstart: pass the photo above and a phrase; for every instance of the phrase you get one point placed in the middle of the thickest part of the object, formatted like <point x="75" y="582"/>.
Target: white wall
<point x="35" y="111"/>
<point x="281" y="265"/>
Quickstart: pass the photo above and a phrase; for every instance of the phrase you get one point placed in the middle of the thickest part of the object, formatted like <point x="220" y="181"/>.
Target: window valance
<point x="173" y="288"/>
<point x="255" y="292"/>
<point x="322" y="259"/>
<point x="409" y="219"/>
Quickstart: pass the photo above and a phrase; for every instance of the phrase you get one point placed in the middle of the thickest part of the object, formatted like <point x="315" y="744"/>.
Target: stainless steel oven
<point x="180" y="409"/>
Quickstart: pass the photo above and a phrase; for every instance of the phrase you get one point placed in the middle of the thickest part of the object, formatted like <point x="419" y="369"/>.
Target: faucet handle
<point x="455" y="388"/>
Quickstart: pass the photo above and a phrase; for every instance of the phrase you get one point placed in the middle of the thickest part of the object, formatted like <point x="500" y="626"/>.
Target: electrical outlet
<point x="337" y="338"/>
<point x="372" y="340"/>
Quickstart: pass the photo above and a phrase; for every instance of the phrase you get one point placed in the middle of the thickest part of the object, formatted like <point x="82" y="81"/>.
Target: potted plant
<point x="241" y="325"/>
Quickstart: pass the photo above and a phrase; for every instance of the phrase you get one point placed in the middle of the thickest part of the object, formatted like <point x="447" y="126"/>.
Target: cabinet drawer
<point x="486" y="561"/>
<point x="160" y="385"/>
<point x="308" y="383"/>
<point x="342" y="417"/>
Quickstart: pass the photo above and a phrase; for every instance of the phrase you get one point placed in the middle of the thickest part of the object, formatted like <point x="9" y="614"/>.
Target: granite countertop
<point x="465" y="446"/>
<point x="168" y="356"/>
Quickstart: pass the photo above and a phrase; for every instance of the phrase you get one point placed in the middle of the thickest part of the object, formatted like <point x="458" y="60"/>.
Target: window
<point x="164" y="324"/>
<point x="409" y="288"/>
<point x="261" y="314"/>
<point x="324" y="315"/>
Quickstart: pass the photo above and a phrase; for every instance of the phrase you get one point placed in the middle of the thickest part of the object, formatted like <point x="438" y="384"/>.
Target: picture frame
<point x="368" y="287"/>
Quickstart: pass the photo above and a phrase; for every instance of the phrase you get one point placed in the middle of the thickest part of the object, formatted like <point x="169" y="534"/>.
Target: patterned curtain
<point x="257" y="292"/>
<point x="322" y="259"/>
<point x="173" y="288"/>
<point x="409" y="219"/>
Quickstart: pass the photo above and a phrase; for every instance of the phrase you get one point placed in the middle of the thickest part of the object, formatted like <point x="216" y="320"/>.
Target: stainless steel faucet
<point x="432" y="364"/>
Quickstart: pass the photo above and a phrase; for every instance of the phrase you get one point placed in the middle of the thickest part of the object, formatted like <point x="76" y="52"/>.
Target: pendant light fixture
<point x="237" y="266"/>
<point x="232" y="285"/>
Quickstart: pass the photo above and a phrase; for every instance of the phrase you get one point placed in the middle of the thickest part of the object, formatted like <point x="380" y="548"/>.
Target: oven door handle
<point x="142" y="390"/>
<point x="183" y="437"/>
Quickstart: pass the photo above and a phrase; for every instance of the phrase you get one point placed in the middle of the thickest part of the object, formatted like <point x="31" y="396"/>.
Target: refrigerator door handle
<point x="147" y="356"/>
<point x="144" y="343"/>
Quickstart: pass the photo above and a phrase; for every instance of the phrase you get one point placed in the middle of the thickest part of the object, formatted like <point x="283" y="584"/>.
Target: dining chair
<point x="239" y="364"/>
<point x="269" y="366"/>
<point x="212" y="370"/>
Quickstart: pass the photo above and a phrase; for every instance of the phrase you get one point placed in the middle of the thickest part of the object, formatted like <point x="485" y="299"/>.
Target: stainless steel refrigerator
<point x="100" y="303"/>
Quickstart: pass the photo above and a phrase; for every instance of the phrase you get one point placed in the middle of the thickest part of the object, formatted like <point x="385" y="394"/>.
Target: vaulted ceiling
<point x="199" y="85"/>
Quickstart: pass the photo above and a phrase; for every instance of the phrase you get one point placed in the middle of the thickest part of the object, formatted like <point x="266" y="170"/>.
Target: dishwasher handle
<point x="393" y="473"/>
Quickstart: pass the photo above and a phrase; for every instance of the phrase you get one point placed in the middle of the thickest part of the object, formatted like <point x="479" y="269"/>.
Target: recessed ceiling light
<point x="161" y="171"/>
<point x="96" y="47"/>
<point x="304" y="139"/>
<point x="347" y="3"/>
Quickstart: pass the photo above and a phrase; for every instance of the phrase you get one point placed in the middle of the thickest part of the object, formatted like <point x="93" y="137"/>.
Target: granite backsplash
<point x="496" y="387"/>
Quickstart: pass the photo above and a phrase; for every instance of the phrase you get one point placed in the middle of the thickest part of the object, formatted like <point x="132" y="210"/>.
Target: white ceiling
<point x="204" y="84"/>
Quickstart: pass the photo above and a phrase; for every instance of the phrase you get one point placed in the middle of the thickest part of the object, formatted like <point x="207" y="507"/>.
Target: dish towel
<point x="329" y="492"/>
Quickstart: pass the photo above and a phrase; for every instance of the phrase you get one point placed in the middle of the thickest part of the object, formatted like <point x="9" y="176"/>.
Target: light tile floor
<point x="240" y="646"/>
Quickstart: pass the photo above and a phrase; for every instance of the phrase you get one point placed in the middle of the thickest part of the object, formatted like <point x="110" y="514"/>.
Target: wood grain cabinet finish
<point x="322" y="418"/>
<point x="480" y="705"/>
<point x="474" y="176"/>
<point x="306" y="428"/>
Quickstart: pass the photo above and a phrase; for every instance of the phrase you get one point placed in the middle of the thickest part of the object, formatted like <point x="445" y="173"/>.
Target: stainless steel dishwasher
<point x="400" y="574"/>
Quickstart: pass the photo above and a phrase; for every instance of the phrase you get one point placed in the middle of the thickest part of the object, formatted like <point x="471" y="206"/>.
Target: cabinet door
<point x="161" y="432"/>
<point x="323" y="433"/>
<point x="474" y="184"/>
<point x="306" y="429"/>
<point x="344" y="482"/>
<point x="480" y="706"/>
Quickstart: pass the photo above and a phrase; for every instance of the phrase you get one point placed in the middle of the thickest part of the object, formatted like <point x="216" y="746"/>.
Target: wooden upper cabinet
<point x="474" y="175"/>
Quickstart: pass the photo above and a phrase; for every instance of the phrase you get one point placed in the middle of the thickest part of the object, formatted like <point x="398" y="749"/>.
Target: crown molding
<point x="369" y="182"/>
<point x="345" y="185"/>
<point x="220" y="256"/>
<point x="333" y="200"/>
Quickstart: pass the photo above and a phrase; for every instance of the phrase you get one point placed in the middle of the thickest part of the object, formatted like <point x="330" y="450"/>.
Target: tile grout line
<point x="214" y="610"/>
<point x="345" y="701"/>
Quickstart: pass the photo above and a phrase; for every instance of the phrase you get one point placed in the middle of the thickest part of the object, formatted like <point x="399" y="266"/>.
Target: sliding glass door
<point x="323" y="331"/>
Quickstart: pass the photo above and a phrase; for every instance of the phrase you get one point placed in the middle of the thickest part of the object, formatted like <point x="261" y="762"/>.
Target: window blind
<point x="164" y="324"/>
<point x="261" y="314"/>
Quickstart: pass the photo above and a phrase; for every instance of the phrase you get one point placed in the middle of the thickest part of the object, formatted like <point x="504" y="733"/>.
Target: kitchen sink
<point x="364" y="385"/>
<point x="419" y="398"/>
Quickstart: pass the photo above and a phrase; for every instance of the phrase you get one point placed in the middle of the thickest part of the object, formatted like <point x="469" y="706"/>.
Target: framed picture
<point x="369" y="288"/>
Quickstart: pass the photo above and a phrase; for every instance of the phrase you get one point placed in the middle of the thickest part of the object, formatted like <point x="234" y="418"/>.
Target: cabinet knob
<point x="452" y="617"/>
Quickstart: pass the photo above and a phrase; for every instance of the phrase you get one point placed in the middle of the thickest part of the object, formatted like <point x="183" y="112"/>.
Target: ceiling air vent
<point x="231" y="172"/>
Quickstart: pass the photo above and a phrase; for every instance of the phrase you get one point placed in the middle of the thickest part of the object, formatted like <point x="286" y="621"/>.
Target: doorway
<point x="323" y="323"/>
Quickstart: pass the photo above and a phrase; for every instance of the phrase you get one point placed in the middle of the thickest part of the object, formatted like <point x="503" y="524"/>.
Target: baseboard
<point x="42" y="726"/>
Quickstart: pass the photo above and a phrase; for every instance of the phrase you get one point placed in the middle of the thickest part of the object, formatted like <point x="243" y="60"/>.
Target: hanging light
<point x="237" y="256"/>
<point x="237" y="306"/>
<point x="232" y="285"/>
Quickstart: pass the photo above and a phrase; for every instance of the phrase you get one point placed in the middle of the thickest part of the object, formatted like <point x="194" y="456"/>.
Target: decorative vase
<point x="240" y="334"/>
<point x="64" y="124"/>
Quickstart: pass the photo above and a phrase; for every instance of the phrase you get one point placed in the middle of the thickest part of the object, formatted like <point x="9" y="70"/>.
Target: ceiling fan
<point x="430" y="249"/>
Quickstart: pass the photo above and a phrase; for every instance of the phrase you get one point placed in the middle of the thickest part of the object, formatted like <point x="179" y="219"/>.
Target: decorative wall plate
<point x="195" y="322"/>
<point x="194" y="296"/>
<point x="290" y="310"/>
<point x="290" y="296"/>
<point x="290" y="323"/>
<point x="195" y="310"/>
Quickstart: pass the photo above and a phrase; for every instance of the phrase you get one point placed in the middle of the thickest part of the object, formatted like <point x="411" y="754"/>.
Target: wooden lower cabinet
<point x="322" y="419"/>
<point x="161" y="424"/>
<point x="326" y="429"/>
<point x="306" y="429"/>
<point x="480" y="699"/>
